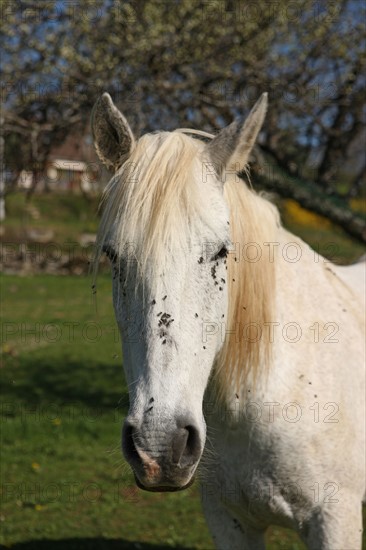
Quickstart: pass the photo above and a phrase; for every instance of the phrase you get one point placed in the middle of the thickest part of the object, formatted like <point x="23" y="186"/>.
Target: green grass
<point x="64" y="481"/>
<point x="67" y="214"/>
<point x="325" y="238"/>
<point x="70" y="215"/>
<point x="63" y="402"/>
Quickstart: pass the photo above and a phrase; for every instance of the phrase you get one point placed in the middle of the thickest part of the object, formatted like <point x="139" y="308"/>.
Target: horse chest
<point x="249" y="482"/>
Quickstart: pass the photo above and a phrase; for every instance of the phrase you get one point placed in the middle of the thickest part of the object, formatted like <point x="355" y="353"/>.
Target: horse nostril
<point x="186" y="446"/>
<point x="193" y="442"/>
<point x="128" y="443"/>
<point x="179" y="444"/>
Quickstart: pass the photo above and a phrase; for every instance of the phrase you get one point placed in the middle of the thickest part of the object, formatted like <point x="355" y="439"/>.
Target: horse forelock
<point x="152" y="204"/>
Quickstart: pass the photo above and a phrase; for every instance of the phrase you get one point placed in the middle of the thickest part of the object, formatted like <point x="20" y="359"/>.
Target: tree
<point x="199" y="63"/>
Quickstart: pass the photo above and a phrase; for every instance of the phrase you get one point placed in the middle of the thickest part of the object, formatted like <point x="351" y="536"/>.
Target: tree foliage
<point x="193" y="63"/>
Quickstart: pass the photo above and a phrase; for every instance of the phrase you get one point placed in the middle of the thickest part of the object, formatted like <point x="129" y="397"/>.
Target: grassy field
<point x="64" y="482"/>
<point x="71" y="215"/>
<point x="64" y="398"/>
<point x="67" y="215"/>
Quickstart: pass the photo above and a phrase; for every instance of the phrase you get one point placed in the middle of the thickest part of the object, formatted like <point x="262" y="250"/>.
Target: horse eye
<point x="222" y="253"/>
<point x="110" y="252"/>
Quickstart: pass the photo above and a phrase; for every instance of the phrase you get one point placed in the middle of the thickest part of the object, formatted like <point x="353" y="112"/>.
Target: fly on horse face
<point x="242" y="348"/>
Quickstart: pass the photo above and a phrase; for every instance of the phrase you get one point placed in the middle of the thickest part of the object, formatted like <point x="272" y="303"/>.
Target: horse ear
<point x="230" y="149"/>
<point x="112" y="135"/>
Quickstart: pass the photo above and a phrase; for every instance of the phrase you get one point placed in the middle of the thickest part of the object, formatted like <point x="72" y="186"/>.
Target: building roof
<point x="71" y="165"/>
<point x="77" y="146"/>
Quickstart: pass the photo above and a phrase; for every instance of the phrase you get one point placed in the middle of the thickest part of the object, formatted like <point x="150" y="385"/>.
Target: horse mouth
<point x="163" y="488"/>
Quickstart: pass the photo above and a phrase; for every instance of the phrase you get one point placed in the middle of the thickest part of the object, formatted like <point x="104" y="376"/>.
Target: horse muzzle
<point x="162" y="459"/>
<point x="163" y="488"/>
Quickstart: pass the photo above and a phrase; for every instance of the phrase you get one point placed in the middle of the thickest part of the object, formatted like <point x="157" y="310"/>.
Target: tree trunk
<point x="2" y="171"/>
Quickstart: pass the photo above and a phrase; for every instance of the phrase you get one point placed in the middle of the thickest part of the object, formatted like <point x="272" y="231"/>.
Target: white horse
<point x="234" y="327"/>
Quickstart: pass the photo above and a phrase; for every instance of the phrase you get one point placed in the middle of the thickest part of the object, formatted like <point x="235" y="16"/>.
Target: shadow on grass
<point x="63" y="381"/>
<point x="88" y="544"/>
